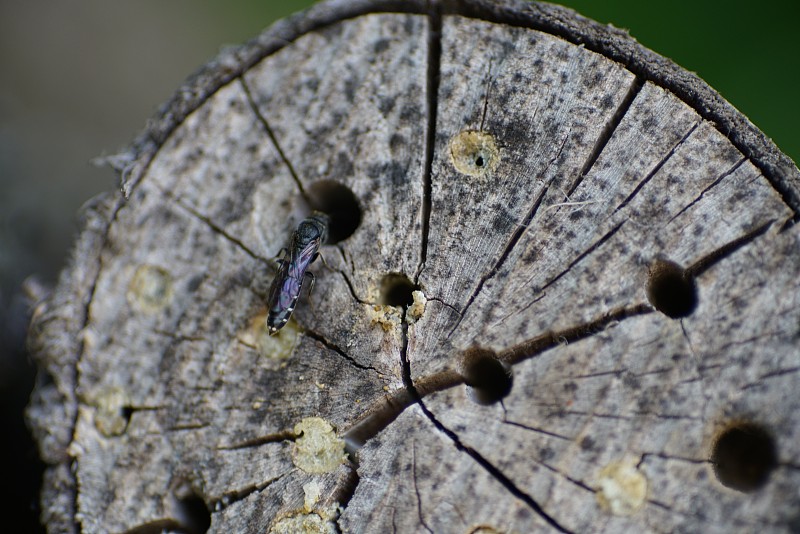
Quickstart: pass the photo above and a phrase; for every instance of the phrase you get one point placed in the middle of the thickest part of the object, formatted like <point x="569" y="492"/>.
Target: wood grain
<point x="525" y="170"/>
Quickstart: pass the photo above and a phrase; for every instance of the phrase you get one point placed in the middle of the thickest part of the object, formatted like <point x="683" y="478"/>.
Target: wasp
<point x="293" y="269"/>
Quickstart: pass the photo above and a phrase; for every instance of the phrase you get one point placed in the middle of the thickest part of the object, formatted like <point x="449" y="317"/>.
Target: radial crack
<point x="708" y="188"/>
<point x="549" y="340"/>
<point x="583" y="255"/>
<point x="331" y="346"/>
<point x="726" y="250"/>
<point x="657" y="168"/>
<point x="434" y="63"/>
<point x="495" y="472"/>
<point x="235" y="496"/>
<point x="276" y="437"/>
<point x="565" y="476"/>
<point x="345" y="489"/>
<point x="515" y="237"/>
<point x="665" y="456"/>
<point x="537" y="430"/>
<point x="609" y="129"/>
<point x="215" y="227"/>
<point x="271" y="134"/>
<point x="416" y="489"/>
<point x="351" y="288"/>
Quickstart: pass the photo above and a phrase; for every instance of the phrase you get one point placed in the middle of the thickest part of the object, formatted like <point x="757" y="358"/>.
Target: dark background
<point x="79" y="79"/>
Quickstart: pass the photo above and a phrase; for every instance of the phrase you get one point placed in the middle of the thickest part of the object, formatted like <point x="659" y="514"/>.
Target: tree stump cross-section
<point x="561" y="293"/>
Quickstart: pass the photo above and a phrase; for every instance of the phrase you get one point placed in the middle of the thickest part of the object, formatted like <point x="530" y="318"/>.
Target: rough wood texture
<point x="537" y="177"/>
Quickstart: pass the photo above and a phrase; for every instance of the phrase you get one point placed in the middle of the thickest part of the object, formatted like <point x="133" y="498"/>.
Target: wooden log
<point x="561" y="293"/>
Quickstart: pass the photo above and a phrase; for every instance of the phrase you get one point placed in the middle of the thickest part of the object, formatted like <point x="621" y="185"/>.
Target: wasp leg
<point x="311" y="276"/>
<point x="310" y="287"/>
<point x="279" y="259"/>
<point x="320" y="256"/>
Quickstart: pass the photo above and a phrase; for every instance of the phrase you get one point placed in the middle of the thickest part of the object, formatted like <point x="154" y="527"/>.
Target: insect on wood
<point x="293" y="269"/>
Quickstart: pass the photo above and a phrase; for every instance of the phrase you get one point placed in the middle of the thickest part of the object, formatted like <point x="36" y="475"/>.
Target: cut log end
<point x="560" y="292"/>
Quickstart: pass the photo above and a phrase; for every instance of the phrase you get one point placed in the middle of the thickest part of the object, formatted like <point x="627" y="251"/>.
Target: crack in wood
<point x="351" y="288"/>
<point x="708" y="261"/>
<point x="701" y="518"/>
<point x="549" y="340"/>
<point x="76" y="517"/>
<point x="616" y="372"/>
<point x="276" y="437"/>
<point x="319" y="338"/>
<point x="345" y="489"/>
<point x="432" y="79"/>
<point x="232" y="497"/>
<point x="566" y="477"/>
<point x="537" y="430"/>
<point x="766" y="376"/>
<point x="608" y="131"/>
<point x="215" y="227"/>
<point x="657" y="167"/>
<point x="597" y="244"/>
<point x="655" y="371"/>
<point x="512" y="242"/>
<point x="596" y="414"/>
<point x="90" y="216"/>
<point x="271" y="134"/>
<point x="493" y="470"/>
<point x="345" y="259"/>
<point x="416" y="489"/>
<point x="443" y="303"/>
<point x="708" y="188"/>
<point x="671" y="457"/>
<point x="187" y="427"/>
<point x="577" y="260"/>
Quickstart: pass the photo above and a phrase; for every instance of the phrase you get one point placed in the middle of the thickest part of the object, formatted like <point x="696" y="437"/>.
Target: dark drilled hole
<point x="671" y="289"/>
<point x="479" y="161"/>
<point x="193" y="514"/>
<point x="396" y="290"/>
<point x="488" y="379"/>
<point x="744" y="455"/>
<point x="340" y="204"/>
<point x="127" y="413"/>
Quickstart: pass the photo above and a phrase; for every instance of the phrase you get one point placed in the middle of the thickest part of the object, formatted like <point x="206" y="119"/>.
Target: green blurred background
<point x="79" y="79"/>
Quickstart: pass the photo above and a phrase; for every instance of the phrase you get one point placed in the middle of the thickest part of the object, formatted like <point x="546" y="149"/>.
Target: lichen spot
<point x="474" y="153"/>
<point x="304" y="524"/>
<point x="621" y="488"/>
<point x="112" y="412"/>
<point x="317" y="449"/>
<point x="150" y="289"/>
<point x="273" y="350"/>
<point x="417" y="308"/>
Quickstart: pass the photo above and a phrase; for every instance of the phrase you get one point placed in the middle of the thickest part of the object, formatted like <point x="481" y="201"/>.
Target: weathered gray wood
<point x="524" y="168"/>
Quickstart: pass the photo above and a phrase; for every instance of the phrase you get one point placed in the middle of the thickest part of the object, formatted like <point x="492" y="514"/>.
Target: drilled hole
<point x="193" y="514"/>
<point x="488" y="379"/>
<point x="744" y="456"/>
<point x="340" y="204"/>
<point x="397" y="289"/>
<point x="671" y="289"/>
